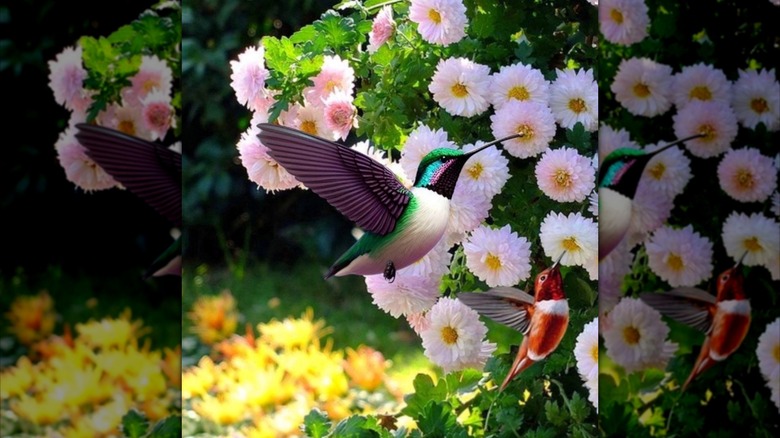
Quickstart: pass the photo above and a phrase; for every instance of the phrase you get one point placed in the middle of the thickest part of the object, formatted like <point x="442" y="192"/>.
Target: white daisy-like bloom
<point x="439" y="21"/>
<point x="420" y="142"/>
<point x="260" y="167"/>
<point x="311" y="120"/>
<point x="700" y="82"/>
<point x="487" y="171"/>
<point x="716" y="121"/>
<point x="518" y="82"/>
<point x="382" y="28"/>
<point x="533" y="120"/>
<point x="768" y="353"/>
<point x="574" y="97"/>
<point x="756" y="99"/>
<point x="593" y="203"/>
<point x="643" y="86"/>
<point x="612" y="270"/>
<point x="433" y="265"/>
<point x="757" y="235"/>
<point x="668" y="171"/>
<point x="623" y="22"/>
<point x="125" y="118"/>
<point x="454" y="336"/>
<point x="594" y="2"/>
<point x="334" y="74"/>
<point x="650" y="209"/>
<point x="611" y="140"/>
<point x="586" y="351"/>
<point x="66" y="77"/>
<point x="746" y="175"/>
<point x="499" y="256"/>
<point x="418" y="321"/>
<point x="485" y="352"/>
<point x="248" y="76"/>
<point x="575" y="234"/>
<point x="407" y="294"/>
<point x="681" y="257"/>
<point x="469" y="206"/>
<point x="635" y="336"/>
<point x="79" y="168"/>
<point x="461" y="86"/>
<point x="593" y="392"/>
<point x="564" y="175"/>
<point x="776" y="203"/>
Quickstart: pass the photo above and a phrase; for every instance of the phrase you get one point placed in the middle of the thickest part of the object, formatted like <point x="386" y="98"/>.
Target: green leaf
<point x="134" y="424"/>
<point x="169" y="427"/>
<point x="305" y="34"/>
<point x="581" y="295"/>
<point x="578" y="137"/>
<point x="316" y="424"/>
<point x="579" y="408"/>
<point x="437" y="421"/>
<point x="351" y="427"/>
<point x="337" y="31"/>
<point x="424" y="392"/>
<point x="554" y="413"/>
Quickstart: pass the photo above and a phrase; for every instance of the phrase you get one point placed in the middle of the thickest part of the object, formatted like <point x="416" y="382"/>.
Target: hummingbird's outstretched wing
<point x="150" y="171"/>
<point x="687" y="305"/>
<point x="361" y="188"/>
<point x="504" y="305"/>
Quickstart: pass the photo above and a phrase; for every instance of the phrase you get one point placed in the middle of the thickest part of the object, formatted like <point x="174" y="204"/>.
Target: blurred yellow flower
<point x="366" y="367"/>
<point x="221" y="410"/>
<point x="293" y="333"/>
<point x="214" y="317"/>
<point x="31" y="317"/>
<point x="109" y="332"/>
<point x="171" y="366"/>
<point x="40" y="411"/>
<point x="198" y="380"/>
<point x="16" y="380"/>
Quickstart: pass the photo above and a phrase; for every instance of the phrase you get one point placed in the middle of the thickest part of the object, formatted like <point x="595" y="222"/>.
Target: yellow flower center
<point x="434" y="15"/>
<point x="675" y="262"/>
<point x="641" y="90"/>
<point x="562" y="178"/>
<point x="570" y="244"/>
<point x="449" y="335"/>
<point x="616" y="15"/>
<point x="493" y="262"/>
<point x="744" y="179"/>
<point x="519" y="92"/>
<point x="776" y="353"/>
<point x="149" y="85"/>
<point x="526" y="131"/>
<point x="701" y="92"/>
<point x="759" y="105"/>
<point x="658" y="170"/>
<point x="708" y="131"/>
<point x="475" y="171"/>
<point x="329" y="86"/>
<point x="127" y="126"/>
<point x="594" y="352"/>
<point x="577" y="105"/>
<point x="631" y="335"/>
<point x="752" y="244"/>
<point x="460" y="90"/>
<point x="309" y="127"/>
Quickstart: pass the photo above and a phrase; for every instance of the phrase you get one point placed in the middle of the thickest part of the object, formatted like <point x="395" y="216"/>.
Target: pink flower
<point x="66" y="78"/>
<point x="564" y="175"/>
<point x="746" y="175"/>
<point x="439" y="21"/>
<point x="643" y="86"/>
<point x="260" y="167"/>
<point x="335" y="73"/>
<point x="79" y="168"/>
<point x="157" y="114"/>
<point x="382" y="29"/>
<point x="248" y="78"/>
<point x="340" y="114"/>
<point x="716" y="121"/>
<point x="461" y="86"/>
<point x="153" y="73"/>
<point x="311" y="120"/>
<point x="623" y="21"/>
<point x="532" y="119"/>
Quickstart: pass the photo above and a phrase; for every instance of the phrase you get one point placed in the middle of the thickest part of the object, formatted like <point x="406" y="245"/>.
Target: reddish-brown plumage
<point x="728" y="332"/>
<point x="547" y="330"/>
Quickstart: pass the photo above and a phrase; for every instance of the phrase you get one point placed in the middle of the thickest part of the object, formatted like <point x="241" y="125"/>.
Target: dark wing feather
<point x="688" y="305"/>
<point x="358" y="186"/>
<point x="505" y="305"/>
<point x="150" y="171"/>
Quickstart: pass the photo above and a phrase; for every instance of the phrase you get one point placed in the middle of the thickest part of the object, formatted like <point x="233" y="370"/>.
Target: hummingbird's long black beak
<point x="741" y="259"/>
<point x="487" y="145"/>
<point x="674" y="143"/>
<point x="557" y="263"/>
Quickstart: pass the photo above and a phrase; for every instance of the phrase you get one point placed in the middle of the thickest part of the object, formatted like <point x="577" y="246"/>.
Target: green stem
<point x="379" y="5"/>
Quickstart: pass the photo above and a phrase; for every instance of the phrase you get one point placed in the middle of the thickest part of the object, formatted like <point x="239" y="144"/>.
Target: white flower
<point x="487" y="171"/>
<point x="461" y="86"/>
<point x="575" y="234"/>
<point x="593" y="392"/>
<point x="531" y="119"/>
<point x="682" y="257"/>
<point x="586" y="351"/>
<point x="407" y="294"/>
<point x="311" y="120"/>
<point x="433" y="265"/>
<point x="623" y="22"/>
<point x="649" y="210"/>
<point x="611" y="140"/>
<point x="454" y="337"/>
<point x="635" y="336"/>
<point x="518" y="82"/>
<point x="335" y="74"/>
<point x="756" y="99"/>
<point x="498" y="256"/>
<point x="468" y="208"/>
<point x="746" y="175"/>
<point x="716" y="121"/>
<point x="420" y="142"/>
<point x="248" y="76"/>
<point x="564" y="175"/>
<point x="574" y="97"/>
<point x="768" y="352"/>
<point x="643" y="86"/>
<point x="593" y="203"/>
<point x="260" y="167"/>
<point x="439" y="21"/>
<point x="612" y="269"/>
<point x="701" y="82"/>
<point x="66" y="77"/>
<point x="668" y="171"/>
<point x="757" y="235"/>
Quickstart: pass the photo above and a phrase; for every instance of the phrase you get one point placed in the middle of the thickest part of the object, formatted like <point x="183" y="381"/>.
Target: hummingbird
<point x="401" y="224"/>
<point x="542" y="318"/>
<point x="619" y="177"/>
<point x="150" y="171"/>
<point x="724" y="318"/>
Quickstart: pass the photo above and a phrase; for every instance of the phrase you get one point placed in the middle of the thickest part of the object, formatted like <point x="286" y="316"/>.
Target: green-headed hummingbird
<point x="402" y="224"/>
<point x="148" y="170"/>
<point x="619" y="176"/>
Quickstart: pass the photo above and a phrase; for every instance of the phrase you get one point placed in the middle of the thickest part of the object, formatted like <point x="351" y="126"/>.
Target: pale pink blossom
<point x="461" y="86"/>
<point x="624" y="22"/>
<point x="334" y="74"/>
<point x="420" y="142"/>
<point x="533" y="120"/>
<point x="79" y="168"/>
<point x="439" y="21"/>
<point x="153" y="73"/>
<point x="716" y="121"/>
<point x="157" y="114"/>
<point x="680" y="256"/>
<point x="574" y="97"/>
<point x="406" y="295"/>
<point x="66" y="78"/>
<point x="261" y="168"/>
<point x="382" y="28"/>
<point x="701" y="82"/>
<point x="756" y="99"/>
<point x="498" y="256"/>
<point x="746" y="175"/>
<point x="518" y="82"/>
<point x="564" y="175"/>
<point x="248" y="78"/>
<point x="643" y="86"/>
<point x="340" y="114"/>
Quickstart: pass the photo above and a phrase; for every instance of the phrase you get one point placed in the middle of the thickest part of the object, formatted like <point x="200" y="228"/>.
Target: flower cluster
<point x="214" y="317"/>
<point x="32" y="317"/>
<point x="265" y="385"/>
<point x="83" y="385"/>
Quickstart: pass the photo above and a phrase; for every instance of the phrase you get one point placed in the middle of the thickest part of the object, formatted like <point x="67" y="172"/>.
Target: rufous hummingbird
<point x="542" y="319"/>
<point x="724" y="318"/>
<point x="401" y="224"/>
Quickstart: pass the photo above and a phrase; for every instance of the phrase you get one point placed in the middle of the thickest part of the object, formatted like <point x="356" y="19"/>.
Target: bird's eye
<point x="542" y="278"/>
<point x="725" y="277"/>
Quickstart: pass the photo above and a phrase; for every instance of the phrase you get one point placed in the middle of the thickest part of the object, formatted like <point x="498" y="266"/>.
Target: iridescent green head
<point x="439" y="170"/>
<point x="622" y="169"/>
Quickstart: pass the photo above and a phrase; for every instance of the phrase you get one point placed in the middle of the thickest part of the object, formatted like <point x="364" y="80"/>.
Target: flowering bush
<point x="84" y="385"/>
<point x="668" y="71"/>
<point x="412" y="77"/>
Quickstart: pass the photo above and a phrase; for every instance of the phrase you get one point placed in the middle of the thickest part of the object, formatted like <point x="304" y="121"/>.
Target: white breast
<point x="614" y="219"/>
<point x="739" y="307"/>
